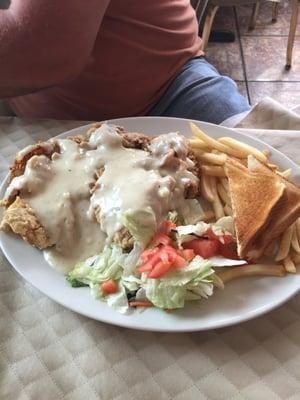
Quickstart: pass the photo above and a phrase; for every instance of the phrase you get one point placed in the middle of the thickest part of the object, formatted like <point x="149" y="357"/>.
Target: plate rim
<point x="265" y="308"/>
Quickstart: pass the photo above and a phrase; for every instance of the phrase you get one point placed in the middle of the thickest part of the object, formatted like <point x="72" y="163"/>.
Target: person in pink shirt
<point x="102" y="59"/>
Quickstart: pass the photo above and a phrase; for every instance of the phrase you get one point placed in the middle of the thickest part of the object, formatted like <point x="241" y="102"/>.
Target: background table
<point x="48" y="352"/>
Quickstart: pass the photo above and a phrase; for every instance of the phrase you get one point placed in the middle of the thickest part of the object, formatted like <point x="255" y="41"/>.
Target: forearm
<point x="44" y="43"/>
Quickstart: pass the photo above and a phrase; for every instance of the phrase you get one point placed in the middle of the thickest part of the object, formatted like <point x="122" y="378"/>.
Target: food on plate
<point x="153" y="221"/>
<point x="252" y="193"/>
<point x="280" y="232"/>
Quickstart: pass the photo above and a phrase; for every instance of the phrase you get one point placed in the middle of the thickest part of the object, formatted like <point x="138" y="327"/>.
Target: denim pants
<point x="200" y="92"/>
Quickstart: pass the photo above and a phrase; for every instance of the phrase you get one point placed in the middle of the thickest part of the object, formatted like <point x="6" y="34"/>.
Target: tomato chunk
<point x="161" y="238"/>
<point x="167" y="226"/>
<point x="227" y="239"/>
<point x="203" y="247"/>
<point x="211" y="235"/>
<point x="188" y="254"/>
<point x="160" y="269"/>
<point x="147" y="254"/>
<point x="109" y="287"/>
<point x="179" y="262"/>
<point x="229" y="250"/>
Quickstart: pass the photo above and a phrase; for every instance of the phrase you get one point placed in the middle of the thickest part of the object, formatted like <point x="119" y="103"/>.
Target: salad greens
<point x="129" y="275"/>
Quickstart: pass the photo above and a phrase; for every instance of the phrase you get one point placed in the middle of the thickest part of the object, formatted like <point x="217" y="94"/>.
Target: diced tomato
<point x="179" y="262"/>
<point x="203" y="247"/>
<point x="167" y="226"/>
<point x="166" y="254"/>
<point x="211" y="235"/>
<point x="145" y="268"/>
<point x="188" y="254"/>
<point x="160" y="269"/>
<point x="171" y="252"/>
<point x="150" y="263"/>
<point x="227" y="239"/>
<point x="161" y="238"/>
<point x="109" y="287"/>
<point x="147" y="254"/>
<point x="229" y="250"/>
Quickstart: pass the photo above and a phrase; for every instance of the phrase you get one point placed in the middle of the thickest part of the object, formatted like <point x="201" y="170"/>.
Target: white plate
<point x="240" y="301"/>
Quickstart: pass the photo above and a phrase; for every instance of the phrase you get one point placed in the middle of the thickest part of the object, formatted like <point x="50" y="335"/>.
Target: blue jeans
<point x="200" y="92"/>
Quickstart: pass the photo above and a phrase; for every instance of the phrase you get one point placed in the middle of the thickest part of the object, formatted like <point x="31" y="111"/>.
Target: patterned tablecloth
<point x="49" y="353"/>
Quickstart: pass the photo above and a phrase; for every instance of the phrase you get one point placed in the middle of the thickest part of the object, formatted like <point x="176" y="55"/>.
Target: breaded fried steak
<point x="65" y="193"/>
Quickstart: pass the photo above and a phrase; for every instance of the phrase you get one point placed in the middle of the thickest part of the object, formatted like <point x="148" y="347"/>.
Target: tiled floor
<point x="256" y="59"/>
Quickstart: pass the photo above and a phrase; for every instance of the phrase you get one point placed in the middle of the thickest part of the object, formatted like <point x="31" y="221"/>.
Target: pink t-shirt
<point x="140" y="46"/>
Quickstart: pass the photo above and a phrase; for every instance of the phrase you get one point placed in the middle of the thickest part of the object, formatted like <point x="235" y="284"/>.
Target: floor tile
<point x="287" y="93"/>
<point x="265" y="59"/>
<point x="225" y="19"/>
<point x="242" y="88"/>
<point x="264" y="24"/>
<point x="226" y="57"/>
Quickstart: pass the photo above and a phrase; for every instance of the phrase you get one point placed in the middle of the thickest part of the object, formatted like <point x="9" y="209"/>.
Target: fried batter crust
<point x="20" y="219"/>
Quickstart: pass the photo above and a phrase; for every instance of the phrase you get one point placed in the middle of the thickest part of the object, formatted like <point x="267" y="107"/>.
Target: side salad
<point x="176" y="265"/>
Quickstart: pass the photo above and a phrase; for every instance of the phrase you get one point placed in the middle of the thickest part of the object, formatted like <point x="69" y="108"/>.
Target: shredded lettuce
<point x="168" y="297"/>
<point x="223" y="225"/>
<point x="173" y="216"/>
<point x="100" y="268"/>
<point x="131" y="260"/>
<point x="186" y="233"/>
<point x="141" y="224"/>
<point x="118" y="301"/>
<point x="192" y="282"/>
<point x="190" y="210"/>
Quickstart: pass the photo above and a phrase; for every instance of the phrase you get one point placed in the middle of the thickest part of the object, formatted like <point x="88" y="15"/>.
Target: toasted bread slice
<point x="254" y="196"/>
<point x="286" y="214"/>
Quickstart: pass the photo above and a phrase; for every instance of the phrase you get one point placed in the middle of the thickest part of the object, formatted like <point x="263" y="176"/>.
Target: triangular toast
<point x="254" y="196"/>
<point x="285" y="215"/>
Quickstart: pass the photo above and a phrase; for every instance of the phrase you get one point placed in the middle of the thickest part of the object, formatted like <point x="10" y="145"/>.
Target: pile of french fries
<point x="214" y="187"/>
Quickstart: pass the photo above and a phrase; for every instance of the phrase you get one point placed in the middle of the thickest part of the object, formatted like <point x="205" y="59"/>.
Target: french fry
<point x="212" y="143"/>
<point x="223" y="194"/>
<point x="229" y="273"/>
<point x="269" y="250"/>
<point x="213" y="170"/>
<point x="298" y="229"/>
<point x="289" y="265"/>
<point x="228" y="210"/>
<point x="285" y="174"/>
<point x="295" y="242"/>
<point x="285" y="244"/>
<point x="217" y="159"/>
<point x="206" y="190"/>
<point x="225" y="184"/>
<point x="216" y="204"/>
<point x="267" y="153"/>
<point x="207" y="216"/>
<point x="273" y="167"/>
<point x="296" y="258"/>
<point x="243" y="149"/>
<point x="198" y="152"/>
<point x="199" y="144"/>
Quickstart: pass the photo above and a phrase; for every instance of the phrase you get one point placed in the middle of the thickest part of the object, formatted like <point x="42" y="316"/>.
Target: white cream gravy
<point x="59" y="189"/>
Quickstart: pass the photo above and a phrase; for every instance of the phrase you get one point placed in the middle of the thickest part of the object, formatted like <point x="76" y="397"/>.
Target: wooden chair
<point x="207" y="9"/>
<point x="292" y="33"/>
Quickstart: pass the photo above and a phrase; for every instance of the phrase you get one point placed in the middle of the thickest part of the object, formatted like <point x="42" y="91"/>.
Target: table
<point x="49" y="353"/>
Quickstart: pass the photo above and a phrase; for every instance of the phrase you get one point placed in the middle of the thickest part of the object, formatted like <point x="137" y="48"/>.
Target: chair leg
<point x="275" y="7"/>
<point x="209" y="19"/>
<point x="292" y="33"/>
<point x="255" y="10"/>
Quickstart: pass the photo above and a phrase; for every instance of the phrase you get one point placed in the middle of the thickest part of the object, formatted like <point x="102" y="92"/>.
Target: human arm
<point x="44" y="43"/>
